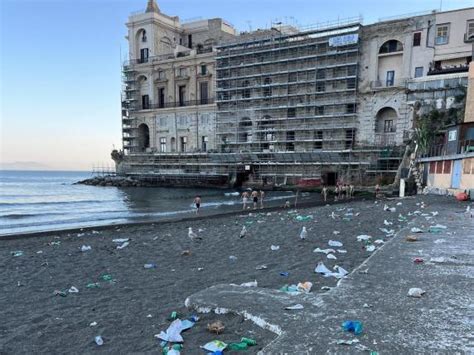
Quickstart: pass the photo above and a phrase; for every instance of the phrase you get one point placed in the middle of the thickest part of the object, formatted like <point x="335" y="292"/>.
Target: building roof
<point x="152" y="6"/>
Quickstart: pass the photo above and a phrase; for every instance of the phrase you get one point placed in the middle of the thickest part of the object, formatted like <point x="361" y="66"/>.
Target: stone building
<point x="168" y="102"/>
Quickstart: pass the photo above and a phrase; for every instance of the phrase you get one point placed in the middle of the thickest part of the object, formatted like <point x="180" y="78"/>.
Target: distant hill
<point x="24" y="165"/>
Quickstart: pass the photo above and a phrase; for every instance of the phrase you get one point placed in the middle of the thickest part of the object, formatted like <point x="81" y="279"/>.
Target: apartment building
<point x="168" y="102"/>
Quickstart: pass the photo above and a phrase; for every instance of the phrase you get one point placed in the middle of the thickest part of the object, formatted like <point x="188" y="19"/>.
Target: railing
<point x="158" y="58"/>
<point x="451" y="69"/>
<point x="175" y="104"/>
<point x="379" y="84"/>
<point x="385" y="139"/>
<point x="463" y="146"/>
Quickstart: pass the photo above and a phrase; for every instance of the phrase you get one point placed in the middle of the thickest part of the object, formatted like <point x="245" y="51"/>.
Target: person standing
<point x="351" y="190"/>
<point x="197" y="203"/>
<point x="262" y="195"/>
<point x="255" y="199"/>
<point x="324" y="192"/>
<point x="245" y="199"/>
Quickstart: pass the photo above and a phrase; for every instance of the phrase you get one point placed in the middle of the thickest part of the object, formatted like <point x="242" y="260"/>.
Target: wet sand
<point x="35" y="320"/>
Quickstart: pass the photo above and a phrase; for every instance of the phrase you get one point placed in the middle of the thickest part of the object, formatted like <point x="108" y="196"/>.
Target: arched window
<point x="143" y="36"/>
<point x="391" y="46"/>
<point x="143" y="137"/>
<point x="386" y="120"/>
<point x="267" y="89"/>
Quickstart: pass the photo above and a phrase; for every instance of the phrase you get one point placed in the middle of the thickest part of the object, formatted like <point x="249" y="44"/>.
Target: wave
<point x="23" y="204"/>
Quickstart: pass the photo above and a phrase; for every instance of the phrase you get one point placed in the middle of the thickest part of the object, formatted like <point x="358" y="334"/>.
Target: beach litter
<point x="59" y="293"/>
<point x="387" y="223"/>
<point x="216" y="327"/>
<point x="438" y="259"/>
<point x="294" y="307"/>
<point x="304" y="218"/>
<point x="121" y="240"/>
<point x="335" y="243"/>
<point x="303" y="233"/>
<point x="347" y="342"/>
<point x="173" y="333"/>
<point x="284" y="273"/>
<point x="86" y="248"/>
<point x="242" y="345"/>
<point x="324" y="251"/>
<point x="331" y="257"/>
<point x="418" y="260"/>
<point x="370" y="248"/>
<point x="232" y="258"/>
<point x="290" y="289"/>
<point x="416" y="230"/>
<point x="243" y="232"/>
<point x="215" y="346"/>
<point x="261" y="267"/>
<point x="149" y="266"/>
<point x="416" y="292"/>
<point x="249" y="284"/>
<point x="93" y="324"/>
<point x="54" y="243"/>
<point x="98" y="340"/>
<point x="93" y="285"/>
<point x="323" y="270"/>
<point x="73" y="289"/>
<point x="437" y="228"/>
<point x="379" y="241"/>
<point x="123" y="245"/>
<point x="391" y="209"/>
<point x="342" y="251"/>
<point x="305" y="286"/>
<point x="388" y="232"/>
<point x="363" y="237"/>
<point x="411" y="238"/>
<point x="186" y="252"/>
<point x="353" y="326"/>
<point x="275" y="247"/>
<point x="17" y="253"/>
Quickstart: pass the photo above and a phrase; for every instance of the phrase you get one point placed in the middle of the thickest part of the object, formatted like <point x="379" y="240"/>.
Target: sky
<point x="60" y="65"/>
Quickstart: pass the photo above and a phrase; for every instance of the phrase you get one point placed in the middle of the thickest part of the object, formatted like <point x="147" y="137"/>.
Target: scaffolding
<point x="288" y="92"/>
<point x="129" y="102"/>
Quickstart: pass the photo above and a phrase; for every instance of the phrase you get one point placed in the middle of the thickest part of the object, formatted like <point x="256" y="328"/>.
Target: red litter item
<point x="462" y="196"/>
<point x="418" y="260"/>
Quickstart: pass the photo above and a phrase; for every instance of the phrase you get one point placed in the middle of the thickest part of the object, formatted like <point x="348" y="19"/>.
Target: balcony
<point x="385" y="139"/>
<point x="381" y="85"/>
<point x="437" y="68"/>
<point x="440" y="150"/>
<point x="176" y="104"/>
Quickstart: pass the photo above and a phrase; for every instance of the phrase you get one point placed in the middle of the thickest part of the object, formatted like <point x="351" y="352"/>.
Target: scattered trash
<point x="86" y="248"/>
<point x="326" y="288"/>
<point x="60" y="293"/>
<point x="379" y="241"/>
<point x="93" y="285"/>
<point x="303" y="233"/>
<point x="98" y="340"/>
<point x="275" y="247"/>
<point x="335" y="243"/>
<point x="437" y="228"/>
<point x="366" y="305"/>
<point x="411" y="238"/>
<point x="342" y="251"/>
<point x="416" y="230"/>
<point x="242" y="345"/>
<point x="435" y="213"/>
<point x="295" y="307"/>
<point x="347" y="342"/>
<point x="336" y="232"/>
<point x="261" y="267"/>
<point x="388" y="232"/>
<point x="121" y="240"/>
<point x="215" y="346"/>
<point x="370" y="248"/>
<point x="216" y="327"/>
<point x="291" y="289"/>
<point x="249" y="284"/>
<point x="54" y="243"/>
<point x="363" y="237"/>
<point x="186" y="252"/>
<point x="73" y="289"/>
<point x="304" y="218"/>
<point x="416" y="292"/>
<point x="418" y="260"/>
<point x="123" y="245"/>
<point x="284" y="273"/>
<point x="149" y="266"/>
<point x="193" y="236"/>
<point x="387" y="223"/>
<point x="39" y="252"/>
<point x="232" y="258"/>
<point x="173" y="333"/>
<point x="106" y="277"/>
<point x="305" y="286"/>
<point x="243" y="232"/>
<point x="439" y="259"/>
<point x="353" y="326"/>
<point x="17" y="253"/>
<point x="200" y="268"/>
<point x="325" y="251"/>
<point x="173" y="316"/>
<point x="331" y="257"/>
<point x="391" y="209"/>
<point x="399" y="203"/>
<point x="322" y="269"/>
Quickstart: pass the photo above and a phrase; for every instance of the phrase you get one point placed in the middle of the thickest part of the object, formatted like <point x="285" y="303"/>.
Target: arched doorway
<point x="386" y="126"/>
<point x="143" y="137"/>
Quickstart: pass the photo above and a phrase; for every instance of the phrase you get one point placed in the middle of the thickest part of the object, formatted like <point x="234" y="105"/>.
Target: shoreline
<point x="190" y="216"/>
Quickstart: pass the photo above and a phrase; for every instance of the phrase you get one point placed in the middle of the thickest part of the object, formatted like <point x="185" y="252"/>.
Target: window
<point x="144" y="53"/>
<point x="267" y="90"/>
<point x="351" y="83"/>
<point x="182" y="72"/>
<point x="290" y="135"/>
<point x="204" y="92"/>
<point x="349" y="138"/>
<point x="350" y="108"/>
<point x="439" y="167"/>
<point x="163" y="144"/>
<point x="468" y="164"/>
<point x="416" y="39"/>
<point x="204" y="140"/>
<point x="143" y="36"/>
<point x="432" y="167"/>
<point x="391" y="46"/>
<point x="418" y="72"/>
<point x="161" y="97"/>
<point x="388" y="126"/>
<point x="442" y="34"/>
<point x="291" y="112"/>
<point x="292" y="77"/>
<point x="319" y="110"/>
<point x="161" y="75"/>
<point x="447" y="167"/>
<point x="183" y="143"/>
<point x="182" y="95"/>
<point x="321" y="74"/>
<point x="245" y="92"/>
<point x="390" y="79"/>
<point x="321" y="87"/>
<point x="145" y="102"/>
<point x="470" y="29"/>
<point x="319" y="143"/>
<point x="190" y="41"/>
<point x="203" y="69"/>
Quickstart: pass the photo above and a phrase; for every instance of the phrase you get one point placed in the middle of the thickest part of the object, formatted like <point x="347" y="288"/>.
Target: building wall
<point x="469" y="113"/>
<point x="440" y="174"/>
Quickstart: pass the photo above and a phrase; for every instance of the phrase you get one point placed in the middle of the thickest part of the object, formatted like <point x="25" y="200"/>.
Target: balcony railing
<point x="464" y="146"/>
<point x="163" y="105"/>
<point x="385" y="139"/>
<point x="448" y="69"/>
<point x="386" y="84"/>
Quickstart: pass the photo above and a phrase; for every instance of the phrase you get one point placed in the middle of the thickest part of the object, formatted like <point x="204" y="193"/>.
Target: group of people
<point x="341" y="192"/>
<point x="255" y="196"/>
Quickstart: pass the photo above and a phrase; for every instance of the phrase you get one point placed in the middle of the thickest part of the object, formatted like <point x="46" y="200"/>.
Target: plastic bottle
<point x="352" y="326"/>
<point x="149" y="266"/>
<point x="99" y="341"/>
<point x="248" y="341"/>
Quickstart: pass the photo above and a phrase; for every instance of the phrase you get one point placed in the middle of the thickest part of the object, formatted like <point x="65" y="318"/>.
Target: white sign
<point x="452" y="135"/>
<point x="344" y="40"/>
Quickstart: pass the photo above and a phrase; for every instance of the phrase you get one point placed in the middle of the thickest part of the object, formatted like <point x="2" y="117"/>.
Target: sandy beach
<point x="135" y="303"/>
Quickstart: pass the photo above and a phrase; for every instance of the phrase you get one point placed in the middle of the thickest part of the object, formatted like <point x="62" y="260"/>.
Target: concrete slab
<point x="375" y="294"/>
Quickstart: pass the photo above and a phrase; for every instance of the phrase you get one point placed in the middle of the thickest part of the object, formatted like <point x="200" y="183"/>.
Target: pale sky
<point x="60" y="65"/>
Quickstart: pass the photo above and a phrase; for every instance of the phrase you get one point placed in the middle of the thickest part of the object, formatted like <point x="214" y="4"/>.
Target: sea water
<point x="32" y="201"/>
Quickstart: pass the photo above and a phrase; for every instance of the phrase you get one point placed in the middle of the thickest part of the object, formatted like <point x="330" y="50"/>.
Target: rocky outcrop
<point x="118" y="181"/>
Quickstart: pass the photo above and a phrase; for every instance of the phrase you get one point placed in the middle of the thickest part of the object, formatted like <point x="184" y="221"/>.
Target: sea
<point x="35" y="201"/>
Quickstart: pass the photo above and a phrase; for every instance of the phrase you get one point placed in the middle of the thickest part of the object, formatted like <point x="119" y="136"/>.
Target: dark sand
<point x="34" y="320"/>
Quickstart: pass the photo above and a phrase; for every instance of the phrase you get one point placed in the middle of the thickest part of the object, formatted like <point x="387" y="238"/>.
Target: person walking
<point x="262" y="196"/>
<point x="245" y="199"/>
<point x="255" y="199"/>
<point x="324" y="192"/>
<point x="197" y="203"/>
